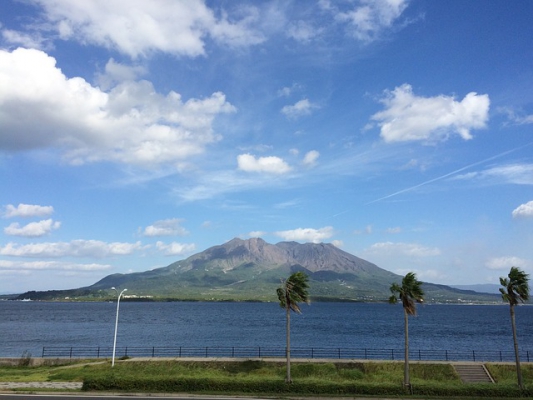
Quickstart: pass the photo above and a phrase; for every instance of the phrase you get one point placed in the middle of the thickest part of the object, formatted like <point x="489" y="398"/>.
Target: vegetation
<point x="267" y="378"/>
<point x="409" y="293"/>
<point x="515" y="289"/>
<point x="292" y="291"/>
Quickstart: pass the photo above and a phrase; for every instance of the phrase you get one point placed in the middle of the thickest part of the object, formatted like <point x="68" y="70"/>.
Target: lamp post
<point x="116" y="326"/>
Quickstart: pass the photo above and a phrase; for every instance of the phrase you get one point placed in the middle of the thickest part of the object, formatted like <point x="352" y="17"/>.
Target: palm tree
<point x="292" y="291"/>
<point x="515" y="289"/>
<point x="410" y="293"/>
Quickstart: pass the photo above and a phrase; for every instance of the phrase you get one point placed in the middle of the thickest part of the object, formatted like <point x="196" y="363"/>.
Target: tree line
<point x="295" y="290"/>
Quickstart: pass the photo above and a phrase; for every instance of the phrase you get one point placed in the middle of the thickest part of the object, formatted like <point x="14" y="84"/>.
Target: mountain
<point x="480" y="288"/>
<point x="252" y="270"/>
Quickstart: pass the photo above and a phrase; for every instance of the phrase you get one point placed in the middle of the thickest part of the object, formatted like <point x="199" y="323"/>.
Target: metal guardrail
<point x="279" y="352"/>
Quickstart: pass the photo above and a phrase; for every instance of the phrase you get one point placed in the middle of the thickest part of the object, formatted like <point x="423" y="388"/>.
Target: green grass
<point x="268" y="378"/>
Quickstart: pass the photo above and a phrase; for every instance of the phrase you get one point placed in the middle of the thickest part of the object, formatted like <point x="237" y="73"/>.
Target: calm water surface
<point x="28" y="326"/>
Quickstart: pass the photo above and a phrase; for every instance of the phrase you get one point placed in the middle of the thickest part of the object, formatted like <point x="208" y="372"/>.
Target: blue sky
<point x="136" y="133"/>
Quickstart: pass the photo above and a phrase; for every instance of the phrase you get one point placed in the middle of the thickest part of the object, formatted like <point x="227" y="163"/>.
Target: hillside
<point x="251" y="270"/>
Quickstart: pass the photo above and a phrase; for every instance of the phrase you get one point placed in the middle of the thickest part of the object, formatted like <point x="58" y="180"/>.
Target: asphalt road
<point x="90" y="396"/>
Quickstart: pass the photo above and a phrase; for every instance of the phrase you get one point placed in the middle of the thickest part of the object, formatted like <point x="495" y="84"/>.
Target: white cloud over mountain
<point x="306" y="234"/>
<point x="175" y="248"/>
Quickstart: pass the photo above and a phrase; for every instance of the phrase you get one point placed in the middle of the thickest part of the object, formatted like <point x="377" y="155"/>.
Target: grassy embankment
<point x="267" y="378"/>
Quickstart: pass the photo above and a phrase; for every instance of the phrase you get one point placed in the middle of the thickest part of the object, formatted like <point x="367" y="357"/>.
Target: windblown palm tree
<point x="409" y="293"/>
<point x="515" y="289"/>
<point x="292" y="291"/>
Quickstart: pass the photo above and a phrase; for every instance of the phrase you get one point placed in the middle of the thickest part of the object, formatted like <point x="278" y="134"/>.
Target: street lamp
<point x="116" y="326"/>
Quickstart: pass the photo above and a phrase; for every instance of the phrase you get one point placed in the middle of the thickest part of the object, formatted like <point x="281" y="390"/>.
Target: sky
<point x="135" y="133"/>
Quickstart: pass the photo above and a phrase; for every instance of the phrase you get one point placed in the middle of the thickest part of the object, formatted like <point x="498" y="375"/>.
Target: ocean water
<point x="30" y="326"/>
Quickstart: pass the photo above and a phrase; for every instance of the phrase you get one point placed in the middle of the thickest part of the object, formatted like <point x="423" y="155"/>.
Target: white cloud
<point x="337" y="243"/>
<point x="50" y="265"/>
<point x="299" y="109"/>
<point x="367" y="231"/>
<point x="138" y="28"/>
<point x="408" y="117"/>
<point x="74" y="248"/>
<point x="116" y="72"/>
<point x="311" y="157"/>
<point x="306" y="234"/>
<point x="303" y="31"/>
<point x="272" y="164"/>
<point x="516" y="118"/>
<point x="370" y="18"/>
<point x="41" y="108"/>
<point x="524" y="210"/>
<point x="288" y="90"/>
<point x="256" y="234"/>
<point x="27" y="210"/>
<point x="166" y="227"/>
<point x="405" y="249"/>
<point x="518" y="174"/>
<point x="175" y="249"/>
<point x="33" y="229"/>
<point x="506" y="263"/>
<point x="22" y="39"/>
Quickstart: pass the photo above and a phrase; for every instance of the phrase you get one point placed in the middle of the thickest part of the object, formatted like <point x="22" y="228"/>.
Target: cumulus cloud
<point x="175" y="249"/>
<point x="310" y="158"/>
<point x="272" y="164"/>
<point x="306" y="234"/>
<point x="27" y="210"/>
<point x="138" y="28"/>
<point x="41" y="108"/>
<point x="33" y="229"/>
<point x="370" y="18"/>
<point x="74" y="248"/>
<point x="116" y="72"/>
<point x="50" y="265"/>
<point x="506" y="263"/>
<point x="405" y="249"/>
<point x="299" y="109"/>
<point x="408" y="117"/>
<point x="524" y="210"/>
<point x="166" y="227"/>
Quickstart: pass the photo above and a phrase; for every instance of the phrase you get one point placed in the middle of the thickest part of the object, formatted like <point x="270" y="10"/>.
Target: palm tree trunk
<point x="288" y="350"/>
<point x="516" y="354"/>
<point x="406" y="380"/>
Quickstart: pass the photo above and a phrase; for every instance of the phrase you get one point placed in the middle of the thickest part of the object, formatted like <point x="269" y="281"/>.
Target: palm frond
<point x="409" y="292"/>
<point x="515" y="287"/>
<point x="293" y="291"/>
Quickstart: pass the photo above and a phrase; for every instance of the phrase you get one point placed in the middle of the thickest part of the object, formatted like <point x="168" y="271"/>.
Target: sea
<point x="28" y="326"/>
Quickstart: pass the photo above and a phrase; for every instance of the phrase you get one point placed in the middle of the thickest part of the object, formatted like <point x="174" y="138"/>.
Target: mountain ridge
<point x="251" y="269"/>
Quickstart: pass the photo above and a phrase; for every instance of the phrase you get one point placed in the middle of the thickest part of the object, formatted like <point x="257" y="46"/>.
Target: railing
<point x="279" y="352"/>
